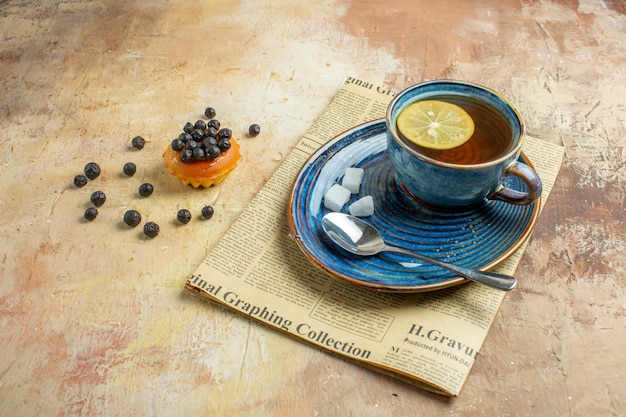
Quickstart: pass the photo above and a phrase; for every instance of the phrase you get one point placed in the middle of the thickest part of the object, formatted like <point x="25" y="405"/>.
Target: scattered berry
<point x="129" y="169"/>
<point x="80" y="181"/>
<point x="151" y="229"/>
<point x="98" y="198"/>
<point x="183" y="216"/>
<point x="146" y="189"/>
<point x="209" y="112"/>
<point x="254" y="130"/>
<point x="207" y="212"/>
<point x="138" y="142"/>
<point x="92" y="170"/>
<point x="91" y="213"/>
<point x="132" y="218"/>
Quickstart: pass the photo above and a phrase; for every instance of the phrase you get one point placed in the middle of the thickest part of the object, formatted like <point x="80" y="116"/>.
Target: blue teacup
<point x="473" y="172"/>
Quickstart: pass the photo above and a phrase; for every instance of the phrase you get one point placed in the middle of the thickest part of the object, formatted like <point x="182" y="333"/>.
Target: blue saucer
<point x="480" y="237"/>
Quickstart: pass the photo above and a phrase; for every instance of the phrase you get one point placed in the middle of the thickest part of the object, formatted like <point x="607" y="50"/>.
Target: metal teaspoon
<point x="360" y="238"/>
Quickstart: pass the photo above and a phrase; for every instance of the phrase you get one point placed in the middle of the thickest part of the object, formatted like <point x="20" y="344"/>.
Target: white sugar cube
<point x="352" y="179"/>
<point x="363" y="207"/>
<point x="336" y="197"/>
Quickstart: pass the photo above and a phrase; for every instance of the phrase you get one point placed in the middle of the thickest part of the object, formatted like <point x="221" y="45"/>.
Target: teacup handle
<point x="529" y="177"/>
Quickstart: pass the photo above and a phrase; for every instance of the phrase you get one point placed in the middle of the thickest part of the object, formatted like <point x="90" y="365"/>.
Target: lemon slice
<point x="435" y="124"/>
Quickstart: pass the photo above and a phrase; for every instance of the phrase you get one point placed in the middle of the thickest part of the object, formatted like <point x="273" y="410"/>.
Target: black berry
<point x="146" y="189"/>
<point x="186" y="155"/>
<point x="254" y="129"/>
<point x="138" y="142"/>
<point x="208" y="141"/>
<point x="98" y="198"/>
<point x="197" y="135"/>
<point x="225" y="133"/>
<point x="198" y="154"/>
<point x="129" y="169"/>
<point x="200" y="125"/>
<point x="202" y="140"/>
<point x="210" y="132"/>
<point x="212" y="152"/>
<point x="151" y="229"/>
<point x="92" y="170"/>
<point x="214" y="123"/>
<point x="80" y="181"/>
<point x="207" y="212"/>
<point x="224" y="145"/>
<point x="188" y="128"/>
<point x="183" y="216"/>
<point x="191" y="145"/>
<point x="91" y="213"/>
<point x="209" y="112"/>
<point x="132" y="218"/>
<point x="177" y="145"/>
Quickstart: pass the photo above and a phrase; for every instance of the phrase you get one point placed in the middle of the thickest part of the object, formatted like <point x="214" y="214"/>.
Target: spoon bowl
<point x="360" y="238"/>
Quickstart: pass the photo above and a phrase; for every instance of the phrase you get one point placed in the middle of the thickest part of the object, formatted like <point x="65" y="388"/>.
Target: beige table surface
<point x="93" y="317"/>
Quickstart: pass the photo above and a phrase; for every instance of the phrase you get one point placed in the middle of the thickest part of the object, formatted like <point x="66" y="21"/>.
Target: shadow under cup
<point x="474" y="171"/>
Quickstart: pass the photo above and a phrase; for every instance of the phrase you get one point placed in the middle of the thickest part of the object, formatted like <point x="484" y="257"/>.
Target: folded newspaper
<point x="428" y="339"/>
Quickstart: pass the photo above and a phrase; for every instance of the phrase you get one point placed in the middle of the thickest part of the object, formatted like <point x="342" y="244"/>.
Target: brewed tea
<point x="491" y="138"/>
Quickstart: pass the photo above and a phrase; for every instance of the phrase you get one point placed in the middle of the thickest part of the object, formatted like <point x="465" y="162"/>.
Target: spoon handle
<point x="492" y="279"/>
